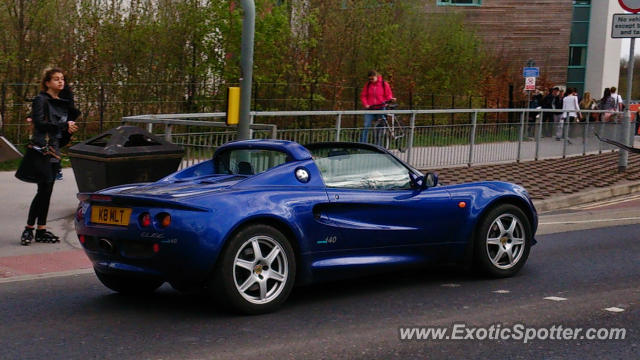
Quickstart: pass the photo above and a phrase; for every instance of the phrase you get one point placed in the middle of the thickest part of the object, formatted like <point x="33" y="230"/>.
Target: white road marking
<point x="502" y="291"/>
<point x="45" y="276"/>
<point x="614" y="309"/>
<point x="587" y="221"/>
<point x="555" y="298"/>
<point x="450" y="285"/>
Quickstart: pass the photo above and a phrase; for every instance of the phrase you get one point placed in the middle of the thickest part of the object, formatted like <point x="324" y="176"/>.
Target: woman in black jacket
<point x="53" y="123"/>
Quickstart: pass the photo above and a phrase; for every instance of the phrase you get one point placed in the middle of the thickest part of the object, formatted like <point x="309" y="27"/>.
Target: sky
<point x="624" y="49"/>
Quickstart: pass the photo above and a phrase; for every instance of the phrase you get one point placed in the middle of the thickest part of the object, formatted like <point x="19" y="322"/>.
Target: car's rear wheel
<point x="128" y="285"/>
<point x="503" y="241"/>
<point x="257" y="270"/>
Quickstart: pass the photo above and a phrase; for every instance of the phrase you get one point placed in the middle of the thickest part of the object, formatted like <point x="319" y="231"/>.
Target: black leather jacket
<point x="50" y="117"/>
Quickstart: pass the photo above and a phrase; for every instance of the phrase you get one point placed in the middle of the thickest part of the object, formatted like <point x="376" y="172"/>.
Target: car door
<point x="381" y="218"/>
<point x="372" y="202"/>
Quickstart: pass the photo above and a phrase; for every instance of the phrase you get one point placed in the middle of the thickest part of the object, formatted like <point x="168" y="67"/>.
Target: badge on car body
<point x="302" y="175"/>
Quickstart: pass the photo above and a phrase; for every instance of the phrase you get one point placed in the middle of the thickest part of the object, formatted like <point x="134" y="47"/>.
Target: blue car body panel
<point x="333" y="231"/>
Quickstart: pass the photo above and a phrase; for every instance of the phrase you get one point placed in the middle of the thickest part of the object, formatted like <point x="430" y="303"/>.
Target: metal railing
<point x="528" y="137"/>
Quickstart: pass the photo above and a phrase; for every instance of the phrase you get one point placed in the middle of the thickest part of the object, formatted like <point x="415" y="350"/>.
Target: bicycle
<point x="389" y="131"/>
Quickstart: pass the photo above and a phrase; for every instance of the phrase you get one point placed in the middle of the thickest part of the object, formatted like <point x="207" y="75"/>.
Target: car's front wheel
<point x="257" y="270"/>
<point x="503" y="241"/>
<point x="128" y="285"/>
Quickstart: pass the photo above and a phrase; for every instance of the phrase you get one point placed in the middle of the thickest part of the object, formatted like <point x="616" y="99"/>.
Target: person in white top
<point x="617" y="98"/>
<point x="572" y="111"/>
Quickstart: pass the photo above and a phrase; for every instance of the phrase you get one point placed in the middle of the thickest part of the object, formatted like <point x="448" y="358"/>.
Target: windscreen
<point x="359" y="168"/>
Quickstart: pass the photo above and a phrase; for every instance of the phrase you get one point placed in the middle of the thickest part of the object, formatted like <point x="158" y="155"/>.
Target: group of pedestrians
<point x="569" y="102"/>
<point x="377" y="92"/>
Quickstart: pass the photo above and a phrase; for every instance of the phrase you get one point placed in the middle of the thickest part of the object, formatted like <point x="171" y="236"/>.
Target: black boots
<point x="27" y="236"/>
<point x="45" y="236"/>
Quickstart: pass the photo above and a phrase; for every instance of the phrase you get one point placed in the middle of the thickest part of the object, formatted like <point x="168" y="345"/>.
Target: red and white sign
<point x="529" y="83"/>
<point x="630" y="5"/>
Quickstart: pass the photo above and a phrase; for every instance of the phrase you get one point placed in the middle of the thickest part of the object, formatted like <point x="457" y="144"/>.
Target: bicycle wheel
<point x="382" y="133"/>
<point x="399" y="135"/>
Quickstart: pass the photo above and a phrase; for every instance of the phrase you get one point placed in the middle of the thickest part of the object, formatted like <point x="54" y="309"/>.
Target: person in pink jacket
<point x="374" y="94"/>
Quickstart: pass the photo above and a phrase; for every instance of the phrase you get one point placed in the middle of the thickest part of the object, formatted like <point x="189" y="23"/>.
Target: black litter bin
<point x="124" y="155"/>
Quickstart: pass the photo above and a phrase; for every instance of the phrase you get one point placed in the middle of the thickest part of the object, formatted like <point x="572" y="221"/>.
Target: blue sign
<point x="531" y="72"/>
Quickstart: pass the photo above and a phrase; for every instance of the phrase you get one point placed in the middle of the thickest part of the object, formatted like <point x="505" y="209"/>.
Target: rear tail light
<point x="145" y="220"/>
<point x="82" y="239"/>
<point x="164" y="220"/>
<point x="156" y="248"/>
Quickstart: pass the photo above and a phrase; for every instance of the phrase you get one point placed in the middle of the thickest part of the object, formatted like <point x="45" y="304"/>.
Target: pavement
<point x="553" y="184"/>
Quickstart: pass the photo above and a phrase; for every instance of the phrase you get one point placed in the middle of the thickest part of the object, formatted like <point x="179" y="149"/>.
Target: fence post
<point x="539" y="134"/>
<point x="474" y="122"/>
<point x="167" y="132"/>
<point x="412" y="128"/>
<point x="274" y="132"/>
<point x="338" y="126"/>
<point x="251" y="119"/>
<point x="601" y="132"/>
<point x="565" y="136"/>
<point x="615" y="127"/>
<point x="521" y="136"/>
<point x="584" y="135"/>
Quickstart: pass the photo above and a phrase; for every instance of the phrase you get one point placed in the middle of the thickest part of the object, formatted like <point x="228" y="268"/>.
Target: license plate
<point x="110" y="215"/>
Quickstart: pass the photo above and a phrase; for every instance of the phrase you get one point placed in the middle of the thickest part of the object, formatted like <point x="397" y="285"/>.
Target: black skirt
<point x="36" y="167"/>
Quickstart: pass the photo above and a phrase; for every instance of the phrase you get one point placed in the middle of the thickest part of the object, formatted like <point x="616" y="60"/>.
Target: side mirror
<point x="424" y="182"/>
<point x="430" y="180"/>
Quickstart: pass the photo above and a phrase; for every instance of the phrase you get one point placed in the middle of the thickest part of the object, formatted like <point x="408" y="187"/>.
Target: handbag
<point x="35" y="166"/>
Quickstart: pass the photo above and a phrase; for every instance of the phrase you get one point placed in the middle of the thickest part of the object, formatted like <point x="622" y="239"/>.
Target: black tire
<point x="490" y="240"/>
<point x="128" y="285"/>
<point x="270" y="281"/>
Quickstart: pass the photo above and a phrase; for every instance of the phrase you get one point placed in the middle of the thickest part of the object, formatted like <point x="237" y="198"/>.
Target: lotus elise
<point x="264" y="215"/>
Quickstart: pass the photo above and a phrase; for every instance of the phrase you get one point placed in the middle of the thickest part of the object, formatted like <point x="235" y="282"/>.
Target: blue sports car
<point x="263" y="215"/>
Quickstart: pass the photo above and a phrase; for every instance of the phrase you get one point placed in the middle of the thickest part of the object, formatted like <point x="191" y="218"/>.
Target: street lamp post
<point x="623" y="158"/>
<point x="246" y="65"/>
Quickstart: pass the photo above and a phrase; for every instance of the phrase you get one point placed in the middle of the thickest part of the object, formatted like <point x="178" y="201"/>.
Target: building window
<point x="578" y="56"/>
<point x="459" y="2"/>
<point x="579" y="40"/>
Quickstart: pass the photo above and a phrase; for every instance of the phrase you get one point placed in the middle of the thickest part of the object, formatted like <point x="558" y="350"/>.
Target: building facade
<point x="569" y="40"/>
